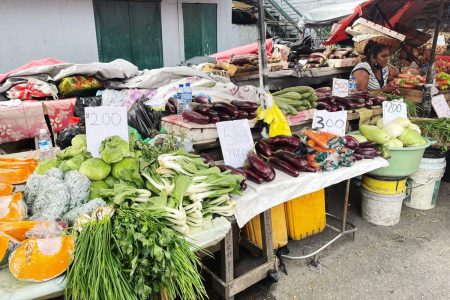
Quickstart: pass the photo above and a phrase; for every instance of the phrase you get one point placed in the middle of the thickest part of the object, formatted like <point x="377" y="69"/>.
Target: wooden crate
<point x="344" y="63"/>
<point x="415" y="95"/>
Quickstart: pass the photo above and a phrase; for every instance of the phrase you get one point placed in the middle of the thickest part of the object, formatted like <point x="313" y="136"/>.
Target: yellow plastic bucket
<point x="384" y="185"/>
<point x="305" y="215"/>
<point x="252" y="230"/>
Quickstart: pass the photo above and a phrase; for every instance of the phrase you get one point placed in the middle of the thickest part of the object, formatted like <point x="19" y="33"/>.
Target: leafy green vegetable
<point x="74" y="163"/>
<point x="97" y="273"/>
<point x="46" y="164"/>
<point x="436" y="129"/>
<point x="79" y="141"/>
<point x="411" y="138"/>
<point x="113" y="149"/>
<point x="156" y="257"/>
<point x="123" y="192"/>
<point x="128" y="170"/>
<point x="95" y="169"/>
<point x="96" y="187"/>
<point x="393" y="143"/>
<point x="111" y="181"/>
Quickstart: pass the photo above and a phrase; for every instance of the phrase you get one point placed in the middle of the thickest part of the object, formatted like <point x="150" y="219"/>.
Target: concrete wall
<point x="33" y="29"/>
<point x="243" y="35"/>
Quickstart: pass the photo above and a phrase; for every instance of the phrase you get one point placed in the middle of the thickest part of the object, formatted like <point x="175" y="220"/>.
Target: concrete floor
<point x="410" y="260"/>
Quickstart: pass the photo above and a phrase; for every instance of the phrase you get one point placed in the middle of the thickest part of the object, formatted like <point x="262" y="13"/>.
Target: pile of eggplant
<point x="366" y="150"/>
<point x="204" y="112"/>
<point x="319" y="59"/>
<point x="356" y="100"/>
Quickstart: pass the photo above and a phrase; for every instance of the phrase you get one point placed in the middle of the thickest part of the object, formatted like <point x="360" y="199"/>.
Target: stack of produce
<point x="442" y="65"/>
<point x="409" y="81"/>
<point x="204" y="112"/>
<point x="420" y="56"/>
<point x="291" y="100"/>
<point x="354" y="101"/>
<point x="327" y="151"/>
<point x="397" y="134"/>
<point x="319" y="59"/>
<point x="443" y="81"/>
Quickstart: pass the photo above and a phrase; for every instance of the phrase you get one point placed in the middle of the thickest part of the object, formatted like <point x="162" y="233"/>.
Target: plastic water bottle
<point x="187" y="97"/>
<point x="352" y="85"/>
<point x="180" y="101"/>
<point x="45" y="144"/>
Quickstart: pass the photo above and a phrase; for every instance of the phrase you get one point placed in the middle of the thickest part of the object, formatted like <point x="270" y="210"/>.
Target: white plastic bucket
<point x="425" y="184"/>
<point x="381" y="209"/>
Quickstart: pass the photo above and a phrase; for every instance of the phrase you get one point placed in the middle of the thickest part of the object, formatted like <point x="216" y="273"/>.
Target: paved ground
<point x="408" y="261"/>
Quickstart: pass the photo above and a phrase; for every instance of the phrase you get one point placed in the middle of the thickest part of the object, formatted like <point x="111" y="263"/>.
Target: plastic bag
<point x="65" y="137"/>
<point x="144" y="119"/>
<point x="278" y="125"/>
<point x="83" y="102"/>
<point x="79" y="86"/>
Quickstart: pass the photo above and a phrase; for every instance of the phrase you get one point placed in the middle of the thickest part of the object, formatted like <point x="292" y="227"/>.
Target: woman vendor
<point x="373" y="74"/>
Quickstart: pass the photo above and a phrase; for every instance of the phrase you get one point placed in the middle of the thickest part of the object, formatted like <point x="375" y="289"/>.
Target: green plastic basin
<point x="403" y="161"/>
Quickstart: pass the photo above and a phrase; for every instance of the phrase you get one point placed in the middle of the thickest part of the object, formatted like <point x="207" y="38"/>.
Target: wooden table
<point x="293" y="77"/>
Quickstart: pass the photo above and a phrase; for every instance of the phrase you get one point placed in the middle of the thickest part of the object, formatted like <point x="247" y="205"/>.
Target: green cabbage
<point x="69" y="152"/>
<point x="95" y="169"/>
<point x="46" y="164"/>
<point x="394" y="143"/>
<point x="111" y="181"/>
<point x="394" y="129"/>
<point x="114" y="149"/>
<point x="403" y="122"/>
<point x="79" y="141"/>
<point x="96" y="186"/>
<point x="415" y="127"/>
<point x="411" y="138"/>
<point x="128" y="171"/>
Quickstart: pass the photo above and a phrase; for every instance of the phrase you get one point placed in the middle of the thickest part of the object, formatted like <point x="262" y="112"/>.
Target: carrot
<point x="317" y="138"/>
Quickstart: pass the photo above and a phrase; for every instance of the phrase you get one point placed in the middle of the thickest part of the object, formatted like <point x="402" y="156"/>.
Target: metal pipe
<point x="263" y="71"/>
<point x="426" y="98"/>
<point x="293" y="8"/>
<point x="344" y="210"/>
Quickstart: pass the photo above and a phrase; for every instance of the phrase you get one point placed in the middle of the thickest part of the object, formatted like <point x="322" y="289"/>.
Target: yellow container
<point x="384" y="185"/>
<point x="305" y="215"/>
<point x="252" y="230"/>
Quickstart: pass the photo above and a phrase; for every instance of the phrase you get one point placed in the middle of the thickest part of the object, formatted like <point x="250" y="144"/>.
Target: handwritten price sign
<point x="103" y="122"/>
<point x="440" y="106"/>
<point x="235" y="141"/>
<point x="393" y="110"/>
<point x="331" y="122"/>
<point x="340" y="87"/>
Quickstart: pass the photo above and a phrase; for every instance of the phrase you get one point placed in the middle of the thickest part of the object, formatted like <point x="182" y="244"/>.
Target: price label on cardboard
<point x="235" y="141"/>
<point x="103" y="122"/>
<point x="331" y="122"/>
<point x="394" y="109"/>
<point x="440" y="40"/>
<point x="440" y="106"/>
<point x="340" y="87"/>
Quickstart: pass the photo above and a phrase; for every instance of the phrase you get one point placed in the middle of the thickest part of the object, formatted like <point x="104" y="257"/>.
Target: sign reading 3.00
<point x="103" y="122"/>
<point x="331" y="122"/>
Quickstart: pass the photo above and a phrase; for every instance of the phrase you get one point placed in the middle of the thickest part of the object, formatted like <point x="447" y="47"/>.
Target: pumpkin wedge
<point x="12" y="208"/>
<point x="15" y="175"/>
<point x="4" y="242"/>
<point x="19" y="229"/>
<point x="40" y="260"/>
<point x="6" y="189"/>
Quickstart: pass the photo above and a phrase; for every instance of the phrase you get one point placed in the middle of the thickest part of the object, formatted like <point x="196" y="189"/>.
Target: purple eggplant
<point x="351" y="142"/>
<point x="272" y="175"/>
<point x="262" y="148"/>
<point x="227" y="108"/>
<point x="358" y="156"/>
<point x="368" y="145"/>
<point x="348" y="103"/>
<point x="308" y="169"/>
<point x="170" y="108"/>
<point x="223" y="116"/>
<point x="290" y="158"/>
<point x="208" y="160"/>
<point x="258" y="165"/>
<point x="213" y="119"/>
<point x="284" y="140"/>
<point x="245" y="105"/>
<point x="201" y="99"/>
<point x="233" y="170"/>
<point x="195" y="117"/>
<point x="283" y="166"/>
<point x="290" y="149"/>
<point x="252" y="175"/>
<point x="252" y="115"/>
<point x="202" y="108"/>
<point x="323" y="105"/>
<point x="243" y="185"/>
<point x="242" y="115"/>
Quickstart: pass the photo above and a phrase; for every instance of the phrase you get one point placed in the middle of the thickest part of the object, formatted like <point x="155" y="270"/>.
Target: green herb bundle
<point x="435" y="129"/>
<point x="155" y="257"/>
<point x="96" y="272"/>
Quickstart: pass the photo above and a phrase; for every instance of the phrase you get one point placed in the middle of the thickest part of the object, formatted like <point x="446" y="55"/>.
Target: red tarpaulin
<point x="246" y="49"/>
<point x="399" y="12"/>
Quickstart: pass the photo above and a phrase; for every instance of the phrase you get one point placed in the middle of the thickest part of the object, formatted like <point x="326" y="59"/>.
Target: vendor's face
<point x="382" y="58"/>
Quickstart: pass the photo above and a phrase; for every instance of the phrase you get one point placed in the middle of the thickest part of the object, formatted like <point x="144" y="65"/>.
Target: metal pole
<point x="263" y="72"/>
<point x="426" y="98"/>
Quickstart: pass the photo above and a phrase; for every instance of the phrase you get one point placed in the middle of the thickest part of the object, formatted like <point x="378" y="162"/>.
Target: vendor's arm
<point x="362" y="79"/>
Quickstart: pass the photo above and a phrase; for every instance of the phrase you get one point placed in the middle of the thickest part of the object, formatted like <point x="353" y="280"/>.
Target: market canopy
<point x="387" y="13"/>
<point x="329" y="13"/>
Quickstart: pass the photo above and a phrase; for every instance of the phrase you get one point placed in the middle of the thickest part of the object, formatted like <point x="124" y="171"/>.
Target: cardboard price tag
<point x="392" y="110"/>
<point x="103" y="122"/>
<point x="331" y="122"/>
<point x="340" y="87"/>
<point x="440" y="40"/>
<point x="235" y="141"/>
<point x="440" y="106"/>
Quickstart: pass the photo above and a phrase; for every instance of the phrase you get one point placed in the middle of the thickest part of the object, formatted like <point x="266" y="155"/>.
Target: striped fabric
<point x="373" y="81"/>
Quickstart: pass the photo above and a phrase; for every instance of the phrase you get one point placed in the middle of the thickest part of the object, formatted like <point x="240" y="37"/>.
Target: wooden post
<point x="266" y="234"/>
<point x="227" y="262"/>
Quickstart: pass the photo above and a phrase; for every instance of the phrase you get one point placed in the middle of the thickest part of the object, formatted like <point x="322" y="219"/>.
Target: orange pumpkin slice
<point x="19" y="229"/>
<point x="6" y="189"/>
<point x="15" y="175"/>
<point x="12" y="208"/>
<point x="4" y="242"/>
<point x="39" y="260"/>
